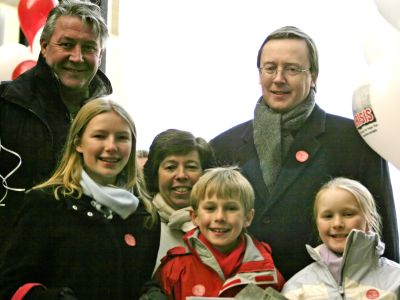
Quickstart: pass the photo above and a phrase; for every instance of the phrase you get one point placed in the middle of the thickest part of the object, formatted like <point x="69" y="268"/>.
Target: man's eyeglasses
<point x="287" y="70"/>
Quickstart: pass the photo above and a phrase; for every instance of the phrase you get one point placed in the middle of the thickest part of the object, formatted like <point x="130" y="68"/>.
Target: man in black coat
<point x="292" y="147"/>
<point x="36" y="109"/>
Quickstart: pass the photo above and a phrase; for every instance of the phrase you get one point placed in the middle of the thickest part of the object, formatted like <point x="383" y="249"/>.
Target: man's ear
<point x="101" y="55"/>
<point x="43" y="47"/>
<point x="314" y="80"/>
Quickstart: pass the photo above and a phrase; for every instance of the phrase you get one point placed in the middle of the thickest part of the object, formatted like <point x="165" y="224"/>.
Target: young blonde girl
<point x="348" y="265"/>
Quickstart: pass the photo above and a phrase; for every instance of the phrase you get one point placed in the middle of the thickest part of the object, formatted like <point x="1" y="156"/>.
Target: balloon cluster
<point x="16" y="58"/>
<point x="376" y="105"/>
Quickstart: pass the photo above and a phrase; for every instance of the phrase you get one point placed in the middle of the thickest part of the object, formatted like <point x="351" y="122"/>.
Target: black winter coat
<point x="68" y="243"/>
<point x="34" y="122"/>
<point x="284" y="217"/>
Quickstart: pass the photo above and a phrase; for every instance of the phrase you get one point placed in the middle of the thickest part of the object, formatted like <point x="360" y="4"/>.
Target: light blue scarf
<point x="119" y="200"/>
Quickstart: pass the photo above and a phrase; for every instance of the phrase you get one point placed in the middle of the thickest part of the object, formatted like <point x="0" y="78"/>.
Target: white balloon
<point x="380" y="40"/>
<point x="376" y="105"/>
<point x="36" y="43"/>
<point x="376" y="109"/>
<point x="390" y="10"/>
<point x="10" y="56"/>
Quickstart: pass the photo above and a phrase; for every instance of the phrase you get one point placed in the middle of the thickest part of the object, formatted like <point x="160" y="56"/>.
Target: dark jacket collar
<point x="41" y="79"/>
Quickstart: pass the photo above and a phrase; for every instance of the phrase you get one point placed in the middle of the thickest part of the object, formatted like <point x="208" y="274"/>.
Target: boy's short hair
<point x="225" y="183"/>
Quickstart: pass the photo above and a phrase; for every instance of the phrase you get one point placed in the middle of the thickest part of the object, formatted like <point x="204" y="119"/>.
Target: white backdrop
<point x="191" y="64"/>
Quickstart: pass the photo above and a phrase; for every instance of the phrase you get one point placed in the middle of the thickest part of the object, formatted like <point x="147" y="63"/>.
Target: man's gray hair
<point x="88" y="12"/>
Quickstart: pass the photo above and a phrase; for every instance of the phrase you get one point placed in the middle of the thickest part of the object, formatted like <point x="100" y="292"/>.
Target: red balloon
<point x="23" y="67"/>
<point x="32" y="16"/>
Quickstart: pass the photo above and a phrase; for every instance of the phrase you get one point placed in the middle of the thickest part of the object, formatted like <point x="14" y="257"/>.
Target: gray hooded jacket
<point x="364" y="273"/>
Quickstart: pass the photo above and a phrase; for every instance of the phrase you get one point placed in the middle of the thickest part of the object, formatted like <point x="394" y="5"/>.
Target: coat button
<point x="74" y="207"/>
<point x="89" y="214"/>
<point x="266" y="220"/>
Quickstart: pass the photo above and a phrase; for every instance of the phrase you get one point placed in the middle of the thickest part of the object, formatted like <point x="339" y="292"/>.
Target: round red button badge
<point x="130" y="240"/>
<point x="372" y="294"/>
<point x="301" y="156"/>
<point x="198" y="290"/>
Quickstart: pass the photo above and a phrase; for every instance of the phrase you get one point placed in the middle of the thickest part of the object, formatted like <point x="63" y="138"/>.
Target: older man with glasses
<point x="292" y="147"/>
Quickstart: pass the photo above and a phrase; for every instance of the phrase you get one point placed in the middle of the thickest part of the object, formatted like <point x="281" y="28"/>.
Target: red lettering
<point x="369" y="115"/>
<point x="364" y="117"/>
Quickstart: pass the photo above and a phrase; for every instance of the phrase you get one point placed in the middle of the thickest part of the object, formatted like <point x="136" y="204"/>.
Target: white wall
<point x="191" y="64"/>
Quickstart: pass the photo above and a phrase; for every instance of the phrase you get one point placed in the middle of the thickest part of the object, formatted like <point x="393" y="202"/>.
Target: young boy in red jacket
<point x="220" y="258"/>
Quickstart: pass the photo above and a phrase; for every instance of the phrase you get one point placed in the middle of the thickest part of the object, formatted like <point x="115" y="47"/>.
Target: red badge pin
<point x="130" y="240"/>
<point x="372" y="294"/>
<point x="302" y="156"/>
<point x="198" y="290"/>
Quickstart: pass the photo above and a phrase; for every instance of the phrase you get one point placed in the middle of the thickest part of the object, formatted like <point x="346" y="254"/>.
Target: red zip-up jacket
<point x="194" y="271"/>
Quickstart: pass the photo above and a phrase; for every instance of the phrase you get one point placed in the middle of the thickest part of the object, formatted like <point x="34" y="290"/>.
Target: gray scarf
<point x="119" y="200"/>
<point x="273" y="135"/>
